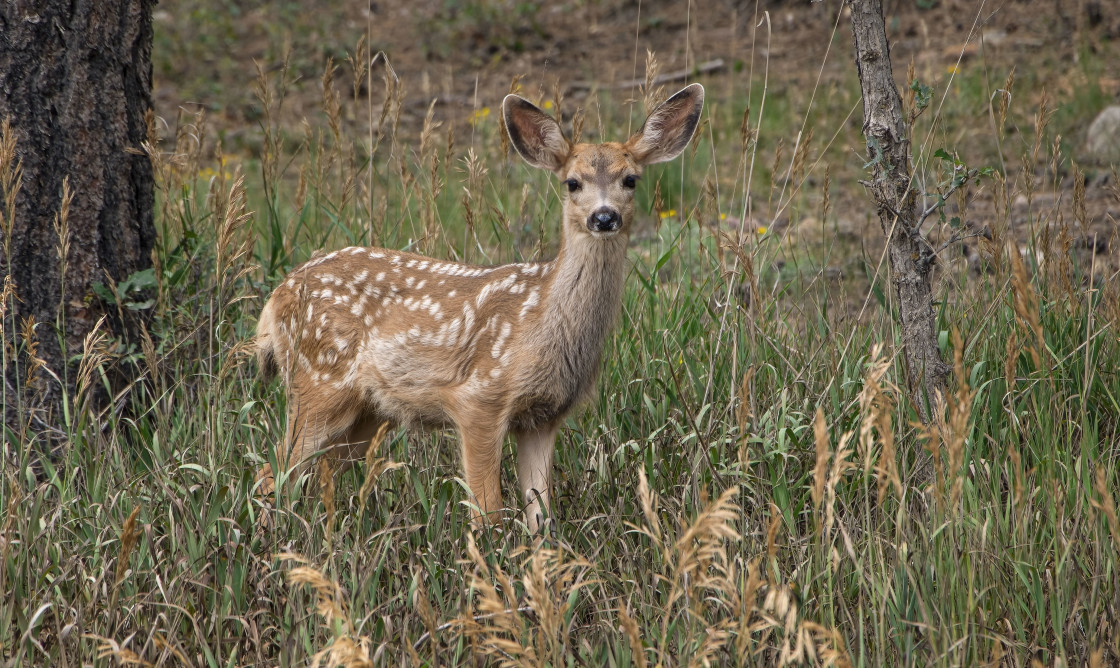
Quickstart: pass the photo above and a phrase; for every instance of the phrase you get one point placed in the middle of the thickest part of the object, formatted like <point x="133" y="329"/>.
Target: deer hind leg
<point x="534" y="466"/>
<point x="352" y="445"/>
<point x="309" y="431"/>
<point x="266" y="477"/>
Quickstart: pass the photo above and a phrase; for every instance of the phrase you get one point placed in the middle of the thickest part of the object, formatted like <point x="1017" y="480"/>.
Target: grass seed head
<point x="1026" y="307"/>
<point x="630" y="629"/>
<point x="1005" y="99"/>
<point x="1107" y="506"/>
<point x="652" y="94"/>
<point x="820" y="471"/>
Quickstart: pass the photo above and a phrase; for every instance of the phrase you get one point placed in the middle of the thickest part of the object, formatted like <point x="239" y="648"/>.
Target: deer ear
<point x="669" y="127"/>
<point x="535" y="135"/>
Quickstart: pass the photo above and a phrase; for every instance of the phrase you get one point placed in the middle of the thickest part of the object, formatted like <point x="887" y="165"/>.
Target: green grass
<point x="700" y="516"/>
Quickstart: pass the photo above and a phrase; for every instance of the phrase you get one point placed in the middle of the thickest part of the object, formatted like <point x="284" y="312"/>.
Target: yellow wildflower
<point x="480" y="114"/>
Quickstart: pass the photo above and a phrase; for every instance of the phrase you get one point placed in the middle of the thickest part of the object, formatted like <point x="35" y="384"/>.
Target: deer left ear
<point x="669" y="128"/>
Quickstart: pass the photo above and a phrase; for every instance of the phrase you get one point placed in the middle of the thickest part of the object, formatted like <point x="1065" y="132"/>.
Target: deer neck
<point x="582" y="298"/>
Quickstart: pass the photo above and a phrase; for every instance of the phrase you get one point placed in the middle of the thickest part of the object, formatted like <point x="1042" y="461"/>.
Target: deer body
<point x="366" y="335"/>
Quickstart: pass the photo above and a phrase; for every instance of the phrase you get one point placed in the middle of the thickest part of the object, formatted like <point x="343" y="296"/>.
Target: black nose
<point x="604" y="219"/>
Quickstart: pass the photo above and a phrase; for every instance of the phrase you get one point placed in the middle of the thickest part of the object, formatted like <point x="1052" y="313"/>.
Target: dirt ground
<point x="465" y="56"/>
<point x="468" y="56"/>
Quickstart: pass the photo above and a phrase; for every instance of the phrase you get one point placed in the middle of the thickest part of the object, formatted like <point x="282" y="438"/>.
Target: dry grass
<point x="748" y="488"/>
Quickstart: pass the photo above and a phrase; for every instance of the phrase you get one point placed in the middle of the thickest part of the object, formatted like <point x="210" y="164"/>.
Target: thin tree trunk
<point x="911" y="257"/>
<point x="75" y="84"/>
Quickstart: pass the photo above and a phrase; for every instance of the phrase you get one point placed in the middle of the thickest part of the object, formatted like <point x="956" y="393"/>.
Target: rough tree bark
<point x="75" y="84"/>
<point x="891" y="185"/>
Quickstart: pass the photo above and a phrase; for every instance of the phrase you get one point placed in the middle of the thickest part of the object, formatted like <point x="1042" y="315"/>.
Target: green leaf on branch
<point x="922" y="94"/>
<point x="944" y="155"/>
<point x="131" y="290"/>
<point x="873" y="144"/>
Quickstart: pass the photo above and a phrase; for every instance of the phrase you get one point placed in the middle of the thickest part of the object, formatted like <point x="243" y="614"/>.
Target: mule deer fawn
<point x="367" y="335"/>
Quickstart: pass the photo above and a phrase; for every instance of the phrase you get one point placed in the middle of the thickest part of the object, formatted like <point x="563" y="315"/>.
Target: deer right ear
<point x="535" y="135"/>
<point x="669" y="128"/>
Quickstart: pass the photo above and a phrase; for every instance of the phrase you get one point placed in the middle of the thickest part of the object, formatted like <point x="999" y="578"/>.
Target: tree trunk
<point x="911" y="257"/>
<point x="75" y="84"/>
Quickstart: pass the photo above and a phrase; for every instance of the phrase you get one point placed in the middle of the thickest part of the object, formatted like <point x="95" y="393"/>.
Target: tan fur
<point x="364" y="335"/>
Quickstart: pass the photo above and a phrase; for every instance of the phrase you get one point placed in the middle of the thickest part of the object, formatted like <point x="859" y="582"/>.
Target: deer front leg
<point x="482" y="457"/>
<point x="534" y="465"/>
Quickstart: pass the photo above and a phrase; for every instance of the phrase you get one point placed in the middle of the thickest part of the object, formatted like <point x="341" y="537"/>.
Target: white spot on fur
<point x="453" y="332"/>
<point x="532" y="300"/>
<point x="468" y="319"/>
<point x="500" y="341"/>
<point x="489" y="288"/>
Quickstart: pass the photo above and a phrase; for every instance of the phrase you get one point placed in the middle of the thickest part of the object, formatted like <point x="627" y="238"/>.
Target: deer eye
<point x="630" y="181"/>
<point x="572" y="184"/>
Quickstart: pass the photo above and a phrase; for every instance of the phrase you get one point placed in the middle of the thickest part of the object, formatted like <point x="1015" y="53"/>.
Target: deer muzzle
<point x="604" y="219"/>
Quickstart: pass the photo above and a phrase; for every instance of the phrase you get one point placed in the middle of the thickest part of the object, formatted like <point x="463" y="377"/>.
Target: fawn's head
<point x="599" y="179"/>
